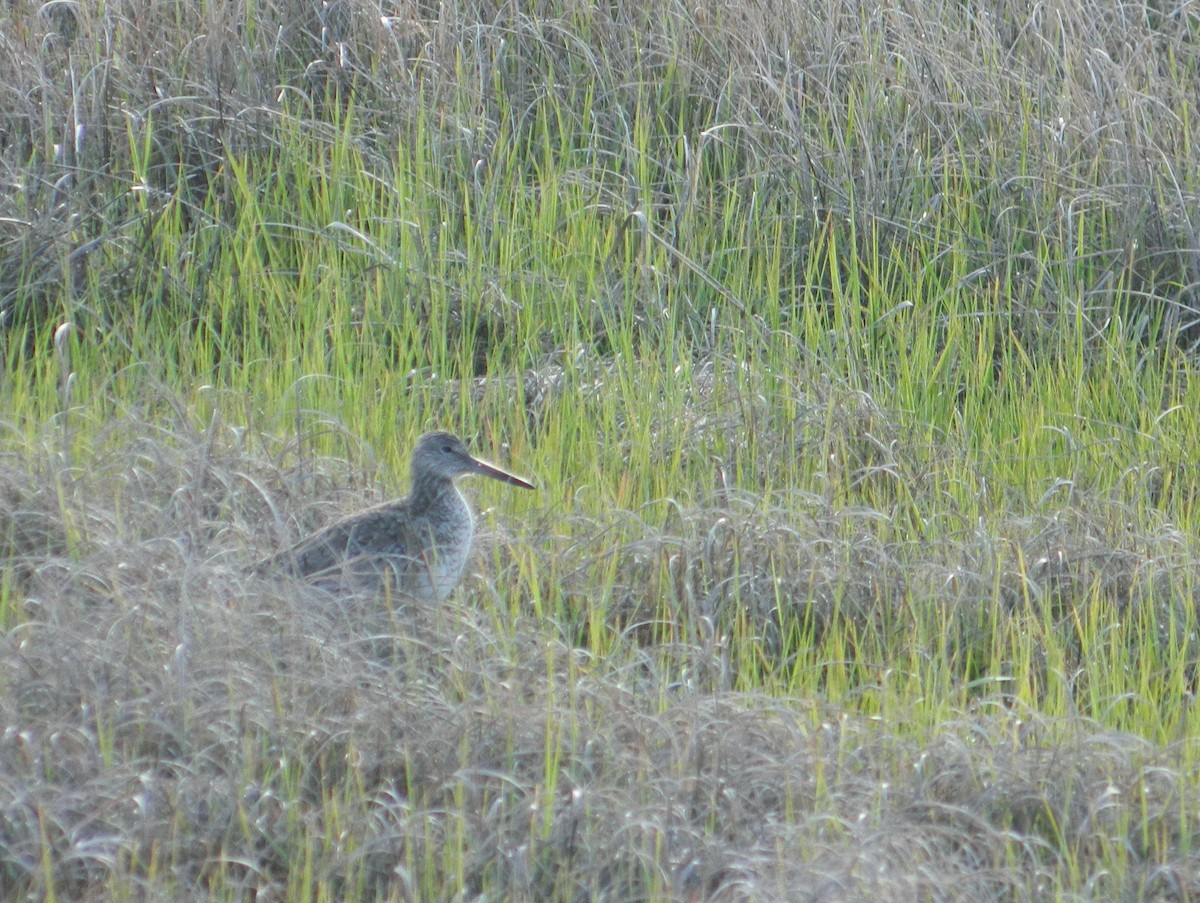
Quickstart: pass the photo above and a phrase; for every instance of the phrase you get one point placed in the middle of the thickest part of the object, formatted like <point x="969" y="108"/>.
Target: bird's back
<point x="420" y="552"/>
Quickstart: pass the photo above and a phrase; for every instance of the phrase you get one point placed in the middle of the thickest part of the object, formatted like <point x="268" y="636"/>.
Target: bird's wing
<point x="375" y="532"/>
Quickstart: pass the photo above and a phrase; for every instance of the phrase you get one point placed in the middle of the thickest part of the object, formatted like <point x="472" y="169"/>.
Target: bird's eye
<point x="447" y="449"/>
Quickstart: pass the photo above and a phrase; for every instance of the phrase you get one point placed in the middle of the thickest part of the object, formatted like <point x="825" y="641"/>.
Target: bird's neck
<point x="428" y="494"/>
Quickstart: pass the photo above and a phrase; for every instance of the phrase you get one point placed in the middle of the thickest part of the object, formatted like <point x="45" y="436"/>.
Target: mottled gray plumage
<point x="419" y="544"/>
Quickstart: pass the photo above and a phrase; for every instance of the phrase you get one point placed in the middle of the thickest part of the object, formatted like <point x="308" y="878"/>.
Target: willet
<point x="418" y="544"/>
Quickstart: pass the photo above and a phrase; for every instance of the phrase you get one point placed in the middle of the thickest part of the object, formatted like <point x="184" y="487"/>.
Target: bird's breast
<point x="451" y="530"/>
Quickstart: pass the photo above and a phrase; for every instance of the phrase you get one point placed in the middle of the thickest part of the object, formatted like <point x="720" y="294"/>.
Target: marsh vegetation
<point x="853" y="347"/>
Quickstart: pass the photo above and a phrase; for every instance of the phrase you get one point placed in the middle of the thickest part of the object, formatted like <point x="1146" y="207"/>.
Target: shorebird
<point x="418" y="544"/>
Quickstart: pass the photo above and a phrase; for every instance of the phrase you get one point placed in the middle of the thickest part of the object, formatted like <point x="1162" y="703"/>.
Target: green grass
<point x="852" y="352"/>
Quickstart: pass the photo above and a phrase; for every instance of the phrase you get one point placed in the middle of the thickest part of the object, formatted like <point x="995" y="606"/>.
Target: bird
<point x="417" y="545"/>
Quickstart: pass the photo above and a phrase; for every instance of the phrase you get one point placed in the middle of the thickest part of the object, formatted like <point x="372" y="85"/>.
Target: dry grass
<point x="851" y="347"/>
<point x="1007" y="131"/>
<point x="177" y="730"/>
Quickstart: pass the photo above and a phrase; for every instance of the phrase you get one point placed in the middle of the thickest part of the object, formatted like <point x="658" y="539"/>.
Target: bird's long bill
<point x="487" y="470"/>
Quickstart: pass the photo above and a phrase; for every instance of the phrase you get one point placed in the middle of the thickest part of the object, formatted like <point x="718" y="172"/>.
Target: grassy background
<point x="852" y="348"/>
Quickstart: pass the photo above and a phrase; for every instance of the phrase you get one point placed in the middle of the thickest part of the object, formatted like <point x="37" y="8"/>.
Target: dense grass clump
<point x="853" y="350"/>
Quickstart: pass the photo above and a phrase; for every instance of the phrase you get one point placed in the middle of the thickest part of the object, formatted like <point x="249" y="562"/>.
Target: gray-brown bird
<point x="419" y="544"/>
